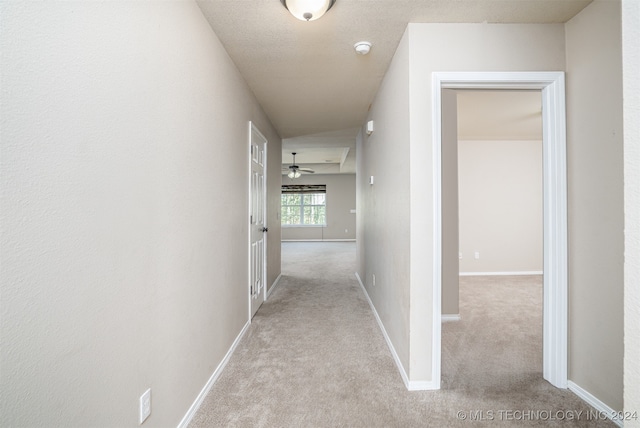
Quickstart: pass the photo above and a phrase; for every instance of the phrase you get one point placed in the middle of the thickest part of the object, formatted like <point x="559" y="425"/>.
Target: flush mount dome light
<point x="362" y="48"/>
<point x="308" y="10"/>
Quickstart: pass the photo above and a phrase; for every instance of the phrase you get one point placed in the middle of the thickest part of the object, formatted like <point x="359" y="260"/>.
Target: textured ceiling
<point x="316" y="149"/>
<point x="307" y="76"/>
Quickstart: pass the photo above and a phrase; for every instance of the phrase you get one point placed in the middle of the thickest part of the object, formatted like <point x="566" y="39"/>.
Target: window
<point x="304" y="205"/>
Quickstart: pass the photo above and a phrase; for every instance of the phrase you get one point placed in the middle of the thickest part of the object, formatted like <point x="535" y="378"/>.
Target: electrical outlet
<point x="346" y="231"/>
<point x="145" y="405"/>
<point x="477" y="255"/>
<point x="460" y="256"/>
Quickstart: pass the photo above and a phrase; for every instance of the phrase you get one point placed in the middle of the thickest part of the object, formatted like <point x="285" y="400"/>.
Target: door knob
<point x="265" y="229"/>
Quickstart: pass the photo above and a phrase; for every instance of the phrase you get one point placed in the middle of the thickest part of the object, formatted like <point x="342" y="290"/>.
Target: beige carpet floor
<point x="314" y="356"/>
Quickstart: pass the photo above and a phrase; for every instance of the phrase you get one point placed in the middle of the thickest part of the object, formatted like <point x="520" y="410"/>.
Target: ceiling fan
<point x="295" y="171"/>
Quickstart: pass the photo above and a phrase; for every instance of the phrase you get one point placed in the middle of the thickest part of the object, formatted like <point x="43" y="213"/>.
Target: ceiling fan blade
<point x="306" y="170"/>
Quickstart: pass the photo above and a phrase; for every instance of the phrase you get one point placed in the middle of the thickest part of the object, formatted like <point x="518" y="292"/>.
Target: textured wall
<point x="500" y="205"/>
<point x="631" y="88"/>
<point x="124" y="219"/>
<point x="455" y="47"/>
<point x="382" y="212"/>
<point x="595" y="192"/>
<point x="450" y="204"/>
<point x="274" y="184"/>
<point x="396" y="211"/>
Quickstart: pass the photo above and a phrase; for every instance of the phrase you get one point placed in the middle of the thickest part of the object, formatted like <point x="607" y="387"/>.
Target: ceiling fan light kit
<point x="295" y="171"/>
<point x="308" y="10"/>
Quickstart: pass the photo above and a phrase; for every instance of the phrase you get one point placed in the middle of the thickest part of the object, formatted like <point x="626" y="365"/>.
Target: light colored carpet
<point x="314" y="356"/>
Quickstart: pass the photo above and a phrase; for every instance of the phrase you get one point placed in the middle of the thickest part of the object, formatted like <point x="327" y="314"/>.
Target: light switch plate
<point x="145" y="405"/>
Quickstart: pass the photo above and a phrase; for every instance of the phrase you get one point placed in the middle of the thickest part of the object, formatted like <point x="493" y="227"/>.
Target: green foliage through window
<point x="304" y="209"/>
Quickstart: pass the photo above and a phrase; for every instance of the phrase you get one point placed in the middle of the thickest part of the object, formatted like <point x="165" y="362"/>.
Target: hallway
<point x="125" y="130"/>
<point x="315" y="357"/>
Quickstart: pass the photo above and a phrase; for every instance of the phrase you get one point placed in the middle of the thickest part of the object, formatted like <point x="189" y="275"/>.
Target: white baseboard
<point x="410" y="385"/>
<point x="602" y="409"/>
<point x="450" y="317"/>
<point x="424" y="385"/>
<point x="519" y="272"/>
<point x="216" y="374"/>
<point x="274" y="285"/>
<point x="317" y="240"/>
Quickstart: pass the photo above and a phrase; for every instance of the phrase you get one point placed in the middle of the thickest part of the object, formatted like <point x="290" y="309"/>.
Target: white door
<point x="257" y="220"/>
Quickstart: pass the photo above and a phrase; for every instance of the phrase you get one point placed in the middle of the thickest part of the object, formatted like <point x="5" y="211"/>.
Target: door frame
<point x="555" y="259"/>
<point x="253" y="130"/>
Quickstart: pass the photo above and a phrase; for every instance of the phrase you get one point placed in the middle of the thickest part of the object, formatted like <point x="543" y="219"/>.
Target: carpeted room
<point x="314" y="356"/>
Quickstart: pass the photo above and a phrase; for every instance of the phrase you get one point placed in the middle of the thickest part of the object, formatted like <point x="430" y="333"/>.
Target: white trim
<point x="411" y="386"/>
<point x="436" y="322"/>
<point x="216" y="374"/>
<point x="249" y="194"/>
<point x="274" y="285"/>
<point x="318" y="240"/>
<point x="265" y="193"/>
<point x="514" y="273"/>
<point x="254" y="129"/>
<point x="450" y="317"/>
<point x="555" y="301"/>
<point x="498" y="140"/>
<point x="590" y="399"/>
<point x="425" y="385"/>
<point x="302" y="226"/>
<point x="555" y="352"/>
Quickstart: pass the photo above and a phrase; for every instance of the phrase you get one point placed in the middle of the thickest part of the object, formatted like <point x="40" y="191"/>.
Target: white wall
<point x="124" y="235"/>
<point x="595" y="166"/>
<point x="595" y="191"/>
<point x="382" y="211"/>
<point x="360" y="199"/>
<point x="455" y="47"/>
<point x="450" y="204"/>
<point x="340" y="200"/>
<point x="399" y="244"/>
<point x="631" y="91"/>
<point x="595" y="181"/>
<point x="274" y="186"/>
<point x="500" y="206"/>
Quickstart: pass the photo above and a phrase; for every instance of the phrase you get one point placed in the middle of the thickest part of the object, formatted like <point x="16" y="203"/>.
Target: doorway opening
<point x="492" y="238"/>
<point x="555" y="302"/>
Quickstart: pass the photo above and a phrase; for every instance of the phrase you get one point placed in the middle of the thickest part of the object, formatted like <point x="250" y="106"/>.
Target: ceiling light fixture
<point x="295" y="171"/>
<point x="308" y="10"/>
<point x="362" y="48"/>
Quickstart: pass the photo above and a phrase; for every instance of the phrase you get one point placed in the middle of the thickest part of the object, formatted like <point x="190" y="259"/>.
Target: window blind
<point x="304" y="188"/>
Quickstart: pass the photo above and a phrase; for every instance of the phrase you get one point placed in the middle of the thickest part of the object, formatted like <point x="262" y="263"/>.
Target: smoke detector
<point x="362" y="48"/>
